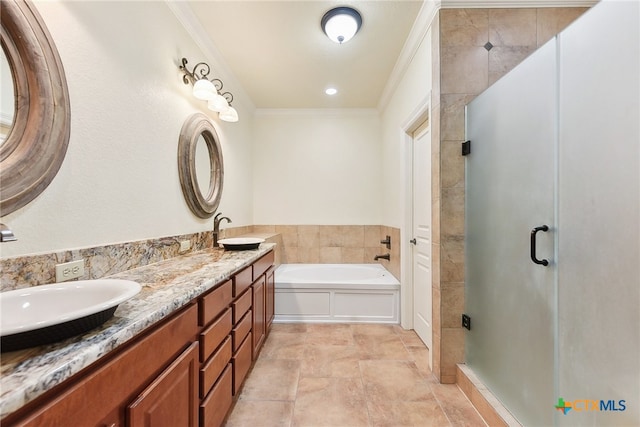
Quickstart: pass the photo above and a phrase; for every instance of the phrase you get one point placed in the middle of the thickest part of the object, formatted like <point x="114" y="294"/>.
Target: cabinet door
<point x="258" y="315"/>
<point x="270" y="298"/>
<point x="172" y="399"/>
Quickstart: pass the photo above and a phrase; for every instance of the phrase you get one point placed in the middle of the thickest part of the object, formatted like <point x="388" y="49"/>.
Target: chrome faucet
<point x="6" y="235"/>
<point x="385" y="256"/>
<point x="216" y="227"/>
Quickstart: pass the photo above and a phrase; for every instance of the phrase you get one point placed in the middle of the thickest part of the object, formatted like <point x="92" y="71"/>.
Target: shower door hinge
<point x="466" y="321"/>
<point x="466" y="148"/>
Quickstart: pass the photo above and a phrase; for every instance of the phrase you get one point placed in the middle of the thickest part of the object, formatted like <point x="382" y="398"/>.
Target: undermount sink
<point x="50" y="313"/>
<point x="241" y="243"/>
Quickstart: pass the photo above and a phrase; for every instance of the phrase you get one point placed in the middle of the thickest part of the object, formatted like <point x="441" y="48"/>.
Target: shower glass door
<point x="510" y="190"/>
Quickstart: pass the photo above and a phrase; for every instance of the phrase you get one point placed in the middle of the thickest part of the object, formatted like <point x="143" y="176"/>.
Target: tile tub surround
<point x="166" y="286"/>
<point x="334" y="244"/>
<point x="464" y="65"/>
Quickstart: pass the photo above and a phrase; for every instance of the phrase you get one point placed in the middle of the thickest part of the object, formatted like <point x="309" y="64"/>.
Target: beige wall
<point x="463" y="68"/>
<point x="317" y="167"/>
<point x="119" y="180"/>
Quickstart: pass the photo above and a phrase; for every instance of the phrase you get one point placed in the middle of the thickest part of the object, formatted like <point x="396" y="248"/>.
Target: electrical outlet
<point x="185" y="245"/>
<point x="69" y="270"/>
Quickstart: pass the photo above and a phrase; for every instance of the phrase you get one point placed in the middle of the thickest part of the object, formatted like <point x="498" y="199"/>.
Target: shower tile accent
<point x="471" y="49"/>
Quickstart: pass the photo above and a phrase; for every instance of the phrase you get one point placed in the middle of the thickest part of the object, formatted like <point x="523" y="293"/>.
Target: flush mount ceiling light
<point x="341" y="23"/>
<point x="209" y="90"/>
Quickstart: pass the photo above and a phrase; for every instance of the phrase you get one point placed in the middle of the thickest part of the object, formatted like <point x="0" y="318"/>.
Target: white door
<point x="422" y="322"/>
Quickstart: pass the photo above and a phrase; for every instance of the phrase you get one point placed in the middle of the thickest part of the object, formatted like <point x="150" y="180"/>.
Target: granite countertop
<point x="166" y="286"/>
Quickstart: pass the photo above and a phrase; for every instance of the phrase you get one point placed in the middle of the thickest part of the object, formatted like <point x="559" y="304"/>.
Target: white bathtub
<point x="336" y="293"/>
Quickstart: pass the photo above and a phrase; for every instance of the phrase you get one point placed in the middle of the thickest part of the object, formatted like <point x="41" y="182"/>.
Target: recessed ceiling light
<point x="331" y="91"/>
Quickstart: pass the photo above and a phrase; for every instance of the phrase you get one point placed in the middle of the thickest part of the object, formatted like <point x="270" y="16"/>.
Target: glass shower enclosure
<point x="552" y="249"/>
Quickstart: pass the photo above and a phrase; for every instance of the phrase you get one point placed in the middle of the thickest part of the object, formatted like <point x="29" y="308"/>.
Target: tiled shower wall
<point x="472" y="48"/>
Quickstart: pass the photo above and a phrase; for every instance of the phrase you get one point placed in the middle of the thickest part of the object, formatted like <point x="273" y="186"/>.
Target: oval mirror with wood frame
<point x="196" y="130"/>
<point x="36" y="144"/>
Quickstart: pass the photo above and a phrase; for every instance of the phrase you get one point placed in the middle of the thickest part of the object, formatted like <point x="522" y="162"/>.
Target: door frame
<point x="420" y="113"/>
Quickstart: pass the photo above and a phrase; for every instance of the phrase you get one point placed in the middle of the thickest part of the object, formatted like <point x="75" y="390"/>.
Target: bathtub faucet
<point x="385" y="256"/>
<point x="216" y="227"/>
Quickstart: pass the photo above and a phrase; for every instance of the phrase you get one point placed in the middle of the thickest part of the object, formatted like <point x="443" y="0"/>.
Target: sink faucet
<point x="216" y="227"/>
<point x="6" y="235"/>
<point x="385" y="256"/>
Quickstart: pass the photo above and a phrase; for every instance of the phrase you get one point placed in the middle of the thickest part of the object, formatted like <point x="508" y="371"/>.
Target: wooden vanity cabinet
<point x="101" y="394"/>
<point x="270" y="294"/>
<point x="215" y="389"/>
<point x="228" y="354"/>
<point x="172" y="399"/>
<point x="242" y="332"/>
<point x="259" y="325"/>
<point x="263" y="300"/>
<point x="184" y="371"/>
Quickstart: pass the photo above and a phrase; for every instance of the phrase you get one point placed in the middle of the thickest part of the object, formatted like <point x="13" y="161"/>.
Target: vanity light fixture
<point x="209" y="90"/>
<point x="340" y="24"/>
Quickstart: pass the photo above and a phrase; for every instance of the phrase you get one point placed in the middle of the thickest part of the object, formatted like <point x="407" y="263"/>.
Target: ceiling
<point x="281" y="57"/>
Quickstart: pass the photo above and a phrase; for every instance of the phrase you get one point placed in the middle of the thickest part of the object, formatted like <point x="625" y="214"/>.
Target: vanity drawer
<point x="242" y="280"/>
<point x="215" y="407"/>
<point x="241" y="363"/>
<point x="241" y="306"/>
<point x="212" y="304"/>
<point x="214" y="367"/>
<point x="241" y="330"/>
<point x="262" y="265"/>
<point x="211" y="337"/>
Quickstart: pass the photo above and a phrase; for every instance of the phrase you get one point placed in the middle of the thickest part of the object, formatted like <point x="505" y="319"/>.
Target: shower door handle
<point x="534" y="232"/>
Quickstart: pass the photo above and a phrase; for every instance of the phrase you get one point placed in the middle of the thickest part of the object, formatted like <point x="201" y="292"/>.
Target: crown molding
<point x="194" y="28"/>
<point x="316" y="112"/>
<point x="427" y="14"/>
<point x="417" y="34"/>
<point x="459" y="4"/>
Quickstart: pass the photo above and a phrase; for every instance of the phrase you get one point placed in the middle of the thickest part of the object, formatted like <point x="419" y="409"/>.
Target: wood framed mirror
<point x="194" y="161"/>
<point x="37" y="141"/>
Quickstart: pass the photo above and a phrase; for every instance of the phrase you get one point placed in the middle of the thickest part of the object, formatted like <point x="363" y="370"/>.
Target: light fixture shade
<point x="217" y="103"/>
<point x="229" y="114"/>
<point x="341" y="24"/>
<point x="204" y="89"/>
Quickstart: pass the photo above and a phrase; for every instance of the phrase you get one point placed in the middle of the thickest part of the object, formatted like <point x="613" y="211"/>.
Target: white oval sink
<point x="41" y="308"/>
<point x="241" y="243"/>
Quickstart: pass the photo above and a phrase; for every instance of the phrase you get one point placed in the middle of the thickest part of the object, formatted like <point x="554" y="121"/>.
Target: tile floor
<point x="347" y="375"/>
